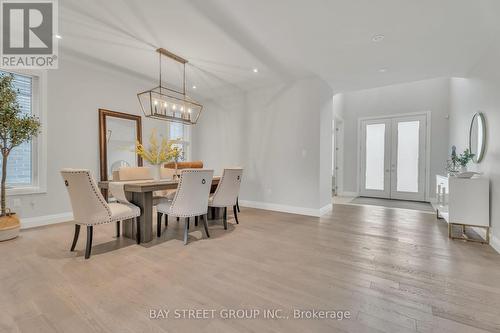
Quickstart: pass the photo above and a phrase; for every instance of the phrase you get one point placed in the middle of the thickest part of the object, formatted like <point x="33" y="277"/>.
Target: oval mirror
<point x="477" y="136"/>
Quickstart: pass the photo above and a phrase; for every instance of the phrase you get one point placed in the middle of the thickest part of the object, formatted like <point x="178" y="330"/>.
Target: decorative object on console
<point x="170" y="104"/>
<point x="159" y="153"/>
<point x="467" y="174"/>
<point x="458" y="163"/>
<point x="15" y="129"/>
<point x="477" y="136"/>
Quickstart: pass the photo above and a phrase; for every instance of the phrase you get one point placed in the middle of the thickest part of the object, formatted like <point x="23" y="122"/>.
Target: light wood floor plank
<point x="394" y="270"/>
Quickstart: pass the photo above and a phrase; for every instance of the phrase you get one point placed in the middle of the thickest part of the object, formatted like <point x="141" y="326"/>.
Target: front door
<point x="393" y="157"/>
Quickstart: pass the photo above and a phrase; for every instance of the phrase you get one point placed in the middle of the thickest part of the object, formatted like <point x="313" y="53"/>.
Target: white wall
<point x="281" y="135"/>
<point x="480" y="92"/>
<point x="429" y="95"/>
<point x="274" y="133"/>
<point x="75" y="93"/>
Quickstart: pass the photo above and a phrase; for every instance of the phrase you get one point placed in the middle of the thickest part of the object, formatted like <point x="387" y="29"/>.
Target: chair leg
<point x="75" y="237"/>
<point x="205" y="224"/>
<point x="235" y="214"/>
<point x="237" y="204"/>
<point x="138" y="233"/>
<point x="158" y="224"/>
<point x="177" y="219"/>
<point x="166" y="221"/>
<point x="186" y="228"/>
<point x="224" y="218"/>
<point x="196" y="221"/>
<point x="118" y="229"/>
<point x="88" y="249"/>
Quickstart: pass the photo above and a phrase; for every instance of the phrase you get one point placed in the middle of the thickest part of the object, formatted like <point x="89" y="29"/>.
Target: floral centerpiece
<point x="159" y="152"/>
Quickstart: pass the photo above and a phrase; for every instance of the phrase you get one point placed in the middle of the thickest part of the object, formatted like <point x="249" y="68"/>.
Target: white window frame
<point x="39" y="143"/>
<point x="186" y="139"/>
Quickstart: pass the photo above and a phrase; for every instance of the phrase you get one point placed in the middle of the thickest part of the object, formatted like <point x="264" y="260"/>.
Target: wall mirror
<point x="477" y="136"/>
<point x="118" y="133"/>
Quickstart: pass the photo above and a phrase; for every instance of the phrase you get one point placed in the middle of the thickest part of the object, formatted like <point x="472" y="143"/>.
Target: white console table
<point x="464" y="202"/>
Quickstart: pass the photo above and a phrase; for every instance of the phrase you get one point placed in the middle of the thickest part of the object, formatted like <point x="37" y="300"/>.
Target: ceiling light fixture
<point x="378" y="38"/>
<point x="164" y="103"/>
<point x="255" y="70"/>
<point x="58" y="36"/>
<point x="382" y="70"/>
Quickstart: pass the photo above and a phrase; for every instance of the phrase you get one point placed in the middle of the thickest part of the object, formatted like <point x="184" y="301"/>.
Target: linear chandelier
<point x="169" y="104"/>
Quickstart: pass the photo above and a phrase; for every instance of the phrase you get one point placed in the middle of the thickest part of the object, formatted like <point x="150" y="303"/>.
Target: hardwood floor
<point x="394" y="270"/>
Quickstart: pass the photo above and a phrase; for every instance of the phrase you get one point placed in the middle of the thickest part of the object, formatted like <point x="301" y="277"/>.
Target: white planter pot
<point x="156" y="171"/>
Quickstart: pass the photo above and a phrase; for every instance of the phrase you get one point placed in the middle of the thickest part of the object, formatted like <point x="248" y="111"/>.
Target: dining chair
<point x="190" y="200"/>
<point x="134" y="173"/>
<point x="227" y="193"/>
<point x="90" y="208"/>
<point x="144" y="173"/>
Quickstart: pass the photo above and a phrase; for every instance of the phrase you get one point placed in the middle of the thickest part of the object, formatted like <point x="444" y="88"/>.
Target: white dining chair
<point x="227" y="192"/>
<point x="190" y="200"/>
<point x="90" y="208"/>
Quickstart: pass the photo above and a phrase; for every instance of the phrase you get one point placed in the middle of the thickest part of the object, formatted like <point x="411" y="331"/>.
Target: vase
<point x="156" y="171"/>
<point x="176" y="175"/>
<point x="463" y="168"/>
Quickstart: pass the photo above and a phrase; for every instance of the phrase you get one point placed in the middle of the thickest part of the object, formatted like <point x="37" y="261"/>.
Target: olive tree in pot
<point x="15" y="129"/>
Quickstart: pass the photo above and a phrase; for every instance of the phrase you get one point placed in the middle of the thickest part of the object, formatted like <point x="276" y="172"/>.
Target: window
<point x="25" y="161"/>
<point x="181" y="131"/>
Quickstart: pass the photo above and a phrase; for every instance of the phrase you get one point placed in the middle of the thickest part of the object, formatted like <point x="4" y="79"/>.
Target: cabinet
<point x="464" y="202"/>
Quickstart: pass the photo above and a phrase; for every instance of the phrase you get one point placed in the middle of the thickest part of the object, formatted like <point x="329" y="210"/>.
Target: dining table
<point x="141" y="194"/>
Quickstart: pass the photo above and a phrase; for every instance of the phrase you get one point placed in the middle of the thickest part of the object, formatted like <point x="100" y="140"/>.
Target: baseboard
<point x="286" y="208"/>
<point x="495" y="243"/>
<point x="348" y="194"/>
<point x="325" y="209"/>
<point x="38" y="221"/>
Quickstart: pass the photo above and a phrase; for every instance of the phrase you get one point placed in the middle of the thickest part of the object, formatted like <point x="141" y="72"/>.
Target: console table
<point x="464" y="202"/>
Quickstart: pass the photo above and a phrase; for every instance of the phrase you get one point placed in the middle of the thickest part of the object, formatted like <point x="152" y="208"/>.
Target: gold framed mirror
<point x="118" y="134"/>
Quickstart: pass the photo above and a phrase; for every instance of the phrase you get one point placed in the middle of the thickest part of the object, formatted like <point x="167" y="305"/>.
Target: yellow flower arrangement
<point x="159" y="153"/>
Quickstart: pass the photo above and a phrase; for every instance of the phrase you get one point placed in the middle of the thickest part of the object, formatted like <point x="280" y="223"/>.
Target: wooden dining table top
<point x="149" y="185"/>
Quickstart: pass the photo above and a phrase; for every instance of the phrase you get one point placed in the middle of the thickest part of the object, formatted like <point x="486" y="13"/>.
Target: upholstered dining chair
<point x="90" y="208"/>
<point x="227" y="192"/>
<point x="169" y="170"/>
<point x="190" y="200"/>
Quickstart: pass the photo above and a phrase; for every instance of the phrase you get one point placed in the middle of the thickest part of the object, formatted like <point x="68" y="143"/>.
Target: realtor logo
<point x="28" y="30"/>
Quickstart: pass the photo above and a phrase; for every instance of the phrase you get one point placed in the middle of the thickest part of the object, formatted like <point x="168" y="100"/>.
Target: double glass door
<point x="393" y="157"/>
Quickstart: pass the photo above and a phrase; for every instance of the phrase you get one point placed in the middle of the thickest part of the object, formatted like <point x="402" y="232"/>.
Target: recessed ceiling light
<point x="58" y="36"/>
<point x="378" y="38"/>
<point x="255" y="70"/>
<point x="382" y="70"/>
<point x="194" y="87"/>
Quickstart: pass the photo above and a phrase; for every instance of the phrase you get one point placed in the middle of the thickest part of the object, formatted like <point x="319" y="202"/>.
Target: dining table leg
<point x="144" y="201"/>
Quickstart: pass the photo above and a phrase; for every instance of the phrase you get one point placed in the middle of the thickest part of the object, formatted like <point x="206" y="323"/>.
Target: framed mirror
<point x="477" y="136"/>
<point x="118" y="133"/>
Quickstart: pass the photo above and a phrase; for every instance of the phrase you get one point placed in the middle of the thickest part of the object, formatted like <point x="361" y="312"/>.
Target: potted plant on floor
<point x="15" y="129"/>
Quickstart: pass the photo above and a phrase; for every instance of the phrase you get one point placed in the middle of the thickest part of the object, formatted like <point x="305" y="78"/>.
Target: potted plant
<point x="458" y="163"/>
<point x="15" y="129"/>
<point x="158" y="153"/>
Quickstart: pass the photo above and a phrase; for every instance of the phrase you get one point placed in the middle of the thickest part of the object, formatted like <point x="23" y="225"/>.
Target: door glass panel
<point x="375" y="152"/>
<point x="407" y="156"/>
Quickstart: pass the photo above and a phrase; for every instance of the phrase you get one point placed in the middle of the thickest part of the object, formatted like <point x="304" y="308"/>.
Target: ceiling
<point x="224" y="40"/>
